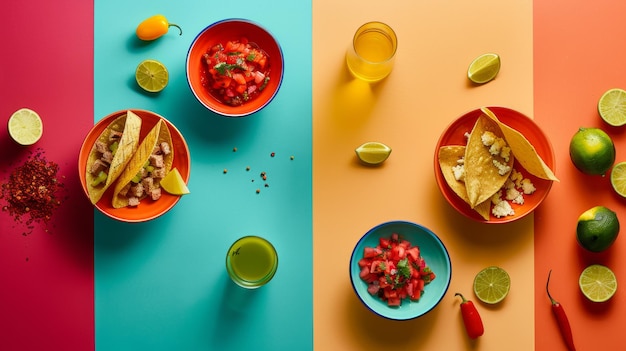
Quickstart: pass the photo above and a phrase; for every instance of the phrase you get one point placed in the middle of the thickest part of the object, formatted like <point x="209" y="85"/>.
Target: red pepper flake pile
<point x="32" y="190"/>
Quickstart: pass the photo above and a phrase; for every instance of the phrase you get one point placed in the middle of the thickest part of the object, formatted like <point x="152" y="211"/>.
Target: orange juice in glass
<point x="251" y="262"/>
<point x="372" y="53"/>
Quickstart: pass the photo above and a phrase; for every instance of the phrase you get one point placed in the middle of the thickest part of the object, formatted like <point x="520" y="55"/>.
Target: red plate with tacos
<point x="494" y="165"/>
<point x="122" y="160"/>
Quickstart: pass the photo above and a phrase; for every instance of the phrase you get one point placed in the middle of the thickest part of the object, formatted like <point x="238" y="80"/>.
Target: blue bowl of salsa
<point x="234" y="67"/>
<point x="400" y="270"/>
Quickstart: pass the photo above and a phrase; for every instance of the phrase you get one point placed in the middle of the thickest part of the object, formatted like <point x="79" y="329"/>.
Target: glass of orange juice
<point x="251" y="262"/>
<point x="372" y="53"/>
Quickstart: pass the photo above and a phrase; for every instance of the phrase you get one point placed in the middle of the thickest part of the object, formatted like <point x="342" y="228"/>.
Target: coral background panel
<point x="577" y="57"/>
<point x="46" y="272"/>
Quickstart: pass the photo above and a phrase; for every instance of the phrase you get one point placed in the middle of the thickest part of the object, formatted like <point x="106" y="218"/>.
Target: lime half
<point x="373" y="153"/>
<point x="25" y="126"/>
<point x="152" y="76"/>
<point x="484" y="68"/>
<point x="174" y="184"/>
<point x="492" y="285"/>
<point x="598" y="283"/>
<point x="612" y="107"/>
<point x="618" y="178"/>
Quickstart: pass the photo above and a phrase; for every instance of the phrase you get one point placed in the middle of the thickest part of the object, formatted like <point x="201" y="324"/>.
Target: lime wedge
<point x="151" y="75"/>
<point x="618" y="178"/>
<point x="373" y="153"/>
<point x="174" y="184"/>
<point x="612" y="107"/>
<point x="25" y="126"/>
<point x="598" y="283"/>
<point x="484" y="68"/>
<point x="492" y="285"/>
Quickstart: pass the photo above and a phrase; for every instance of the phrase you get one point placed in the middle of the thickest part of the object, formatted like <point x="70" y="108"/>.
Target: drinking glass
<point x="372" y="53"/>
<point x="251" y="262"/>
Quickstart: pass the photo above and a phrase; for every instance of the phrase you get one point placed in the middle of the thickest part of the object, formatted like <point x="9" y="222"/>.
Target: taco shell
<point x="523" y="150"/>
<point x="483" y="178"/>
<point x="449" y="157"/>
<point x="129" y="125"/>
<point x="158" y="134"/>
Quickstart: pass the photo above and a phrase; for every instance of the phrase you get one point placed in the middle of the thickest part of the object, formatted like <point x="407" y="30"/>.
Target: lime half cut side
<point x="492" y="285"/>
<point x="618" y="178"/>
<point x="484" y="68"/>
<point x="25" y="126"/>
<point x="598" y="283"/>
<point x="373" y="153"/>
<point x="151" y="75"/>
<point x="612" y="107"/>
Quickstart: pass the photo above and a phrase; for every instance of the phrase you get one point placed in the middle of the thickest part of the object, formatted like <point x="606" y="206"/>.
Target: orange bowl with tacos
<point x="123" y="159"/>
<point x="494" y="165"/>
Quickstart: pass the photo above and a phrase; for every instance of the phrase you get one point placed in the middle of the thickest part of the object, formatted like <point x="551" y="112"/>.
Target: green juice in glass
<point x="251" y="262"/>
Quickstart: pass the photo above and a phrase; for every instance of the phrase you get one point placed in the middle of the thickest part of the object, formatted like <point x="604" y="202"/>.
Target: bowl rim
<point x="85" y="147"/>
<point x="235" y="20"/>
<point x="430" y="233"/>
<point x="549" y="158"/>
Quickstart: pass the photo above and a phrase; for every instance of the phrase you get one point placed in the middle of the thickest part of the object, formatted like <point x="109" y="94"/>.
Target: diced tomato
<point x="381" y="268"/>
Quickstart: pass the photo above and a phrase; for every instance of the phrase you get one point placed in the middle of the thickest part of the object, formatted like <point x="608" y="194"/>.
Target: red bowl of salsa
<point x="234" y="67"/>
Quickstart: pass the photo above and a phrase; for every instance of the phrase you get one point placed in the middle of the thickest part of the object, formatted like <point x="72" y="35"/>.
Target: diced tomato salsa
<point x="235" y="72"/>
<point x="395" y="270"/>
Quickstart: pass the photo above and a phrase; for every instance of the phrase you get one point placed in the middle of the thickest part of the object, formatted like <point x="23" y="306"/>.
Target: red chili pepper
<point x="471" y="318"/>
<point x="561" y="319"/>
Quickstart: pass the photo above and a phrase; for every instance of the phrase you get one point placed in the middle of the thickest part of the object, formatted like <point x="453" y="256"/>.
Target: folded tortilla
<point x="449" y="157"/>
<point x="483" y="179"/>
<point x="129" y="125"/>
<point x="159" y="133"/>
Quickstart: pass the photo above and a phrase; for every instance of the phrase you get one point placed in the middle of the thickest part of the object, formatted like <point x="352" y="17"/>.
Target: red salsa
<point x="235" y="72"/>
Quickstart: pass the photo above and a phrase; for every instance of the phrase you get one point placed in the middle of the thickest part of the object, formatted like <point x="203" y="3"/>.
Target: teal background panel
<point x="162" y="285"/>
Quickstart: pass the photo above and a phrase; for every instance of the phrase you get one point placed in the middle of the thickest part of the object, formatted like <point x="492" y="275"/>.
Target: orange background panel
<point x="578" y="55"/>
<point x="408" y="111"/>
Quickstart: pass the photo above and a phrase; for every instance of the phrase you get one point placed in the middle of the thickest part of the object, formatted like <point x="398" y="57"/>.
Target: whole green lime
<point x="597" y="229"/>
<point x="592" y="151"/>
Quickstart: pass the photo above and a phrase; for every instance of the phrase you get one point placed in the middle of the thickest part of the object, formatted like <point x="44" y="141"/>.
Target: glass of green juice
<point x="251" y="262"/>
<point x="372" y="53"/>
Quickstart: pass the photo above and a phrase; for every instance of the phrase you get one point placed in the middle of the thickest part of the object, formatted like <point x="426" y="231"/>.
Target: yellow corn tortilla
<point x="482" y="179"/>
<point x="159" y="133"/>
<point x="129" y="125"/>
<point x="523" y="150"/>
<point x="448" y="158"/>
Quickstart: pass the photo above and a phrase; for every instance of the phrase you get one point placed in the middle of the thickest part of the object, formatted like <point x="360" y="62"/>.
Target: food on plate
<point x="471" y="318"/>
<point x="592" y="151"/>
<point x="523" y="150"/>
<point x="395" y="270"/>
<point x="598" y="283"/>
<point x="492" y="284"/>
<point x="597" y="229"/>
<point x="154" y="27"/>
<point x="561" y="318"/>
<point x="373" y="153"/>
<point x="25" y="126"/>
<point x="612" y="107"/>
<point x="111" y="152"/>
<point x="151" y="75"/>
<point x="490" y="158"/>
<point x="235" y="72"/>
<point x="151" y="163"/>
<point x="484" y="68"/>
<point x="483" y="172"/>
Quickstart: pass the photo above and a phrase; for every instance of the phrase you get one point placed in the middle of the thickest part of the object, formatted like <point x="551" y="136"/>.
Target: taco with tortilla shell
<point x="141" y="177"/>
<point x="111" y="153"/>
<point x="491" y="160"/>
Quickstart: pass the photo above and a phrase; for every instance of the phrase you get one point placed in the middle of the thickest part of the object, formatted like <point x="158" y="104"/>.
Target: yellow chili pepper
<point x="154" y="27"/>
